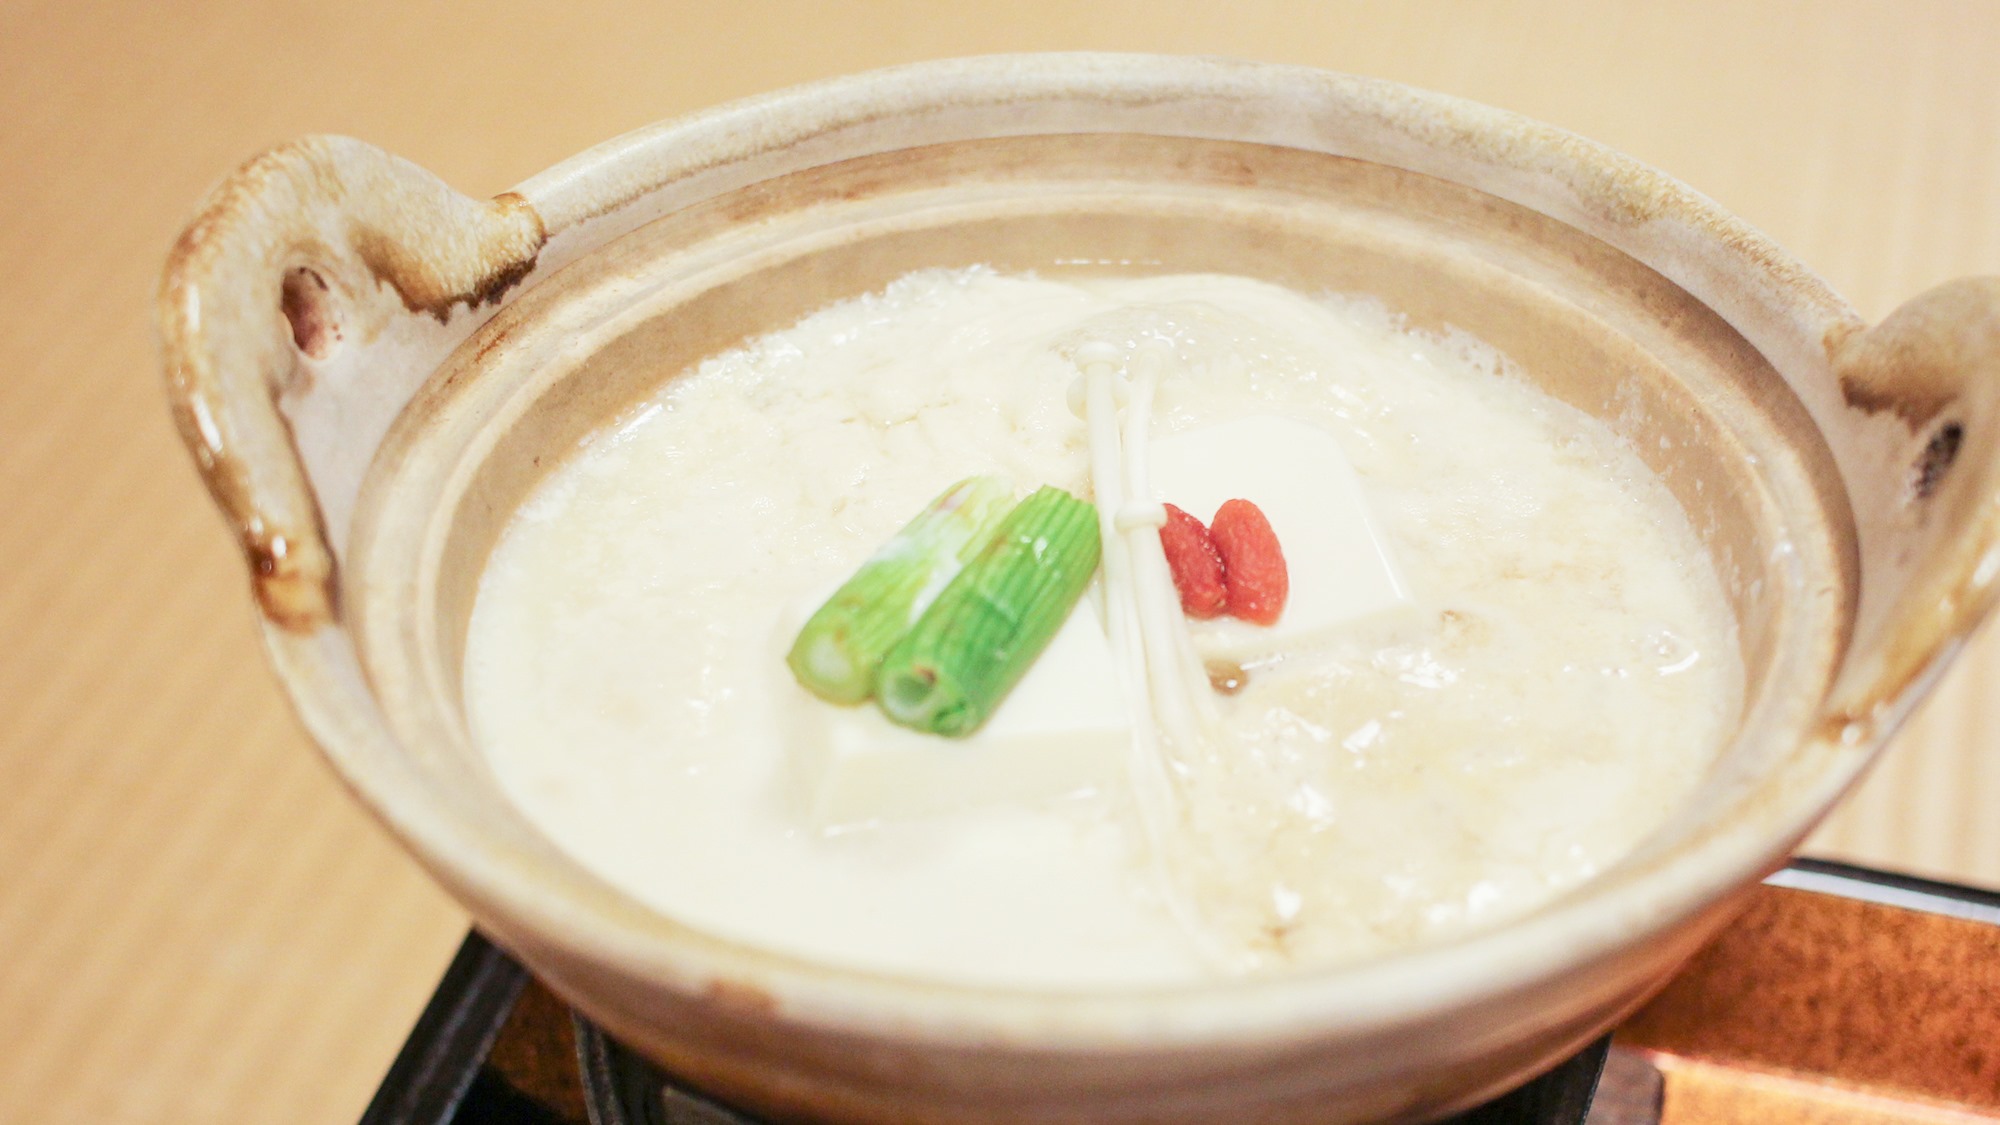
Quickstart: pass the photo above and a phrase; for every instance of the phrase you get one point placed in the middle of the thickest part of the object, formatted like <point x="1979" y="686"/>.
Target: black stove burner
<point x="494" y="1048"/>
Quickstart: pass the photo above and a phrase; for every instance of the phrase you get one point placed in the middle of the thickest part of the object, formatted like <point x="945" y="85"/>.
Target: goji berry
<point x="1253" y="565"/>
<point x="1196" y="564"/>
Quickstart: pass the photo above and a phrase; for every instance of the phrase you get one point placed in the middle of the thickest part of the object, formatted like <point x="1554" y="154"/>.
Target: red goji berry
<point x="1196" y="564"/>
<point x="1253" y="565"/>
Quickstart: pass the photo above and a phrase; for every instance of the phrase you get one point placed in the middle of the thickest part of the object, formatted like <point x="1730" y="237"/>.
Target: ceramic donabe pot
<point x="372" y="371"/>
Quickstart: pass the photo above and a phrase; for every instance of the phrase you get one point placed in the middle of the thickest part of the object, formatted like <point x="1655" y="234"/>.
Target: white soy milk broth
<point x="1566" y="675"/>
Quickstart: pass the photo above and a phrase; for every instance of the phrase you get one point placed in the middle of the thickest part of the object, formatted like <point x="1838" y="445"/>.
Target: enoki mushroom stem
<point x="1148" y="633"/>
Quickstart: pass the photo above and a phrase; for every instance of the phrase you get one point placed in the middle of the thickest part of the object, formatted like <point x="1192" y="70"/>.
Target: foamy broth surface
<point x="1571" y="673"/>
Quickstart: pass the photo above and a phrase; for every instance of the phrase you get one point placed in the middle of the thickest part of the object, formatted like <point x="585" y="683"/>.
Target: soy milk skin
<point x="1563" y="673"/>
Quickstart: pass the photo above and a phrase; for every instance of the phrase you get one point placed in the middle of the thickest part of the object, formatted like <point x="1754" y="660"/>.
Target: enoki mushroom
<point x="1148" y="633"/>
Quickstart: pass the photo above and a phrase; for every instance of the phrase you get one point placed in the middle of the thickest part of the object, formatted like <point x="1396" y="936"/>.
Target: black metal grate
<point x="461" y="1066"/>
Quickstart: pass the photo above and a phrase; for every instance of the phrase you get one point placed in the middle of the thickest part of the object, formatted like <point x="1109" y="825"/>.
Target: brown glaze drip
<point x="293" y="581"/>
<point x="292" y="237"/>
<point x="1910" y="404"/>
<point x="407" y="269"/>
<point x="1895" y="370"/>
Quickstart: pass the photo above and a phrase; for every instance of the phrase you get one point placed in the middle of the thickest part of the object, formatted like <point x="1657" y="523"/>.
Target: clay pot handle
<point x="311" y="248"/>
<point x="1921" y="455"/>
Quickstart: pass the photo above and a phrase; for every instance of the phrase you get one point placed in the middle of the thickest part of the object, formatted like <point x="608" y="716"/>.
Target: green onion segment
<point x="967" y="651"/>
<point x="841" y="646"/>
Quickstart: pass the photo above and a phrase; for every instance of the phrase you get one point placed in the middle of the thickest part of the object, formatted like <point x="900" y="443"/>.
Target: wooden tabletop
<point x="196" y="923"/>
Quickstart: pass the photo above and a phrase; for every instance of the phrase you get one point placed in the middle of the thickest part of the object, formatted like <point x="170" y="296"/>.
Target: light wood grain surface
<point x="196" y="923"/>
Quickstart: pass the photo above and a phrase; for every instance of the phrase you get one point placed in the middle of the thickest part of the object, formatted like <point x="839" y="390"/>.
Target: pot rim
<point x="608" y="183"/>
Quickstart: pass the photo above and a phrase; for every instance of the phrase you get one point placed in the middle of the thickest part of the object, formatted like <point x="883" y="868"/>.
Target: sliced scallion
<point x="841" y="646"/>
<point x="958" y="662"/>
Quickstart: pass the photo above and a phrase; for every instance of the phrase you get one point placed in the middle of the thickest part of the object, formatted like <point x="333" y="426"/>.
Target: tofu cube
<point x="1066" y="726"/>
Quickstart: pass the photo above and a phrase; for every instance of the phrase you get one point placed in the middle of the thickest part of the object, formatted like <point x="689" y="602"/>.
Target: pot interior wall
<point x="1588" y="324"/>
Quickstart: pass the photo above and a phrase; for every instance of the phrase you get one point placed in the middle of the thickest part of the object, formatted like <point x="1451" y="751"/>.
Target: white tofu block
<point x="1337" y="560"/>
<point x="1066" y="726"/>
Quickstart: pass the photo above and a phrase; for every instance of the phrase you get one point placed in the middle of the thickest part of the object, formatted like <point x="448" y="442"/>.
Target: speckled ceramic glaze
<point x="372" y="371"/>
